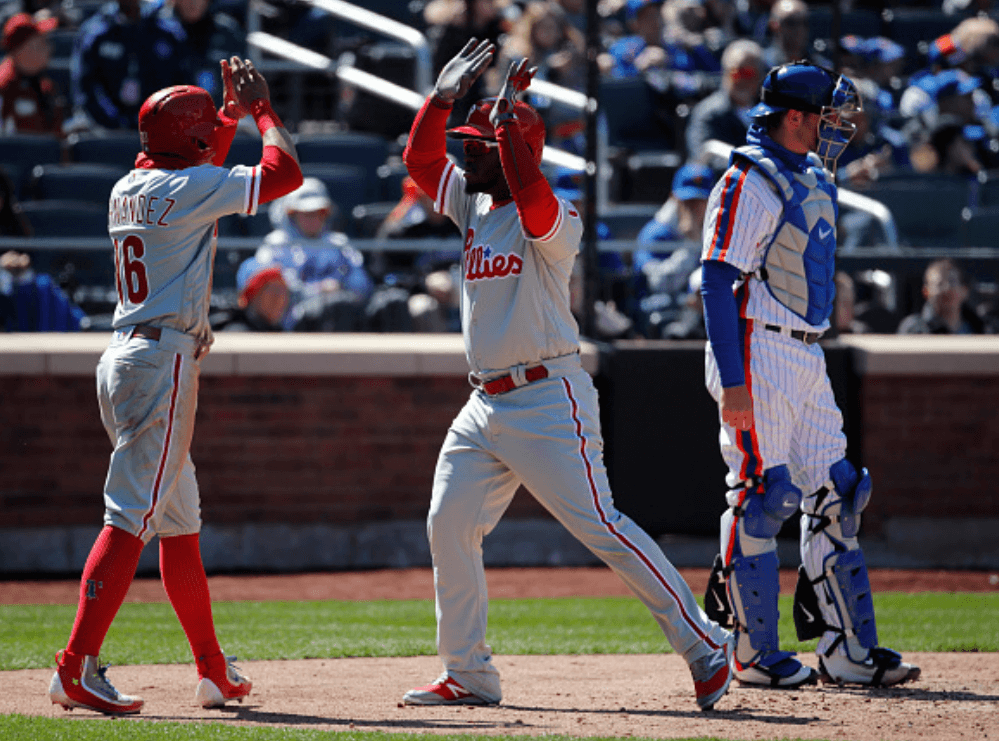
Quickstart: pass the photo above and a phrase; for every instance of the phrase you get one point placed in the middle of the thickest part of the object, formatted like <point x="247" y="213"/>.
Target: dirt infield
<point x="957" y="696"/>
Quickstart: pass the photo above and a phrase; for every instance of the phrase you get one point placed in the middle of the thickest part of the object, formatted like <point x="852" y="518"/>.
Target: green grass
<point x="17" y="727"/>
<point x="149" y="633"/>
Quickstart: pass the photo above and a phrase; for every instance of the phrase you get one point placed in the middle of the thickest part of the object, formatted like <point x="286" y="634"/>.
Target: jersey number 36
<point x="130" y="270"/>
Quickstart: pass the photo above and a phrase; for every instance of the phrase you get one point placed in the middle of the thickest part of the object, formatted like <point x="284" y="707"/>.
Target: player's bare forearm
<point x="737" y="407"/>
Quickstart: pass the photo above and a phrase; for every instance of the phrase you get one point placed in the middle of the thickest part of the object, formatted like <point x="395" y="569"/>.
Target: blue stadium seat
<point x="631" y="116"/>
<point x="115" y="147"/>
<point x="860" y="22"/>
<point x="981" y="227"/>
<point x="626" y="221"/>
<point x="348" y="185"/>
<point x="75" y="181"/>
<point x="391" y="177"/>
<point x="927" y="209"/>
<point x="915" y="28"/>
<point x="346" y="148"/>
<point x="246" y="149"/>
<point x="367" y="217"/>
<point x="239" y="225"/>
<point x="58" y="218"/>
<point x="19" y="153"/>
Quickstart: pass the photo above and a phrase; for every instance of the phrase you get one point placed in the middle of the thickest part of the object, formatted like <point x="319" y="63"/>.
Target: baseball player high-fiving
<point x="162" y="221"/>
<point x="770" y="232"/>
<point x="532" y="417"/>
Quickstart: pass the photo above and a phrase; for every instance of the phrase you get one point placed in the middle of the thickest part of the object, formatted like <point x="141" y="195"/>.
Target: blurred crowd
<point x="75" y="66"/>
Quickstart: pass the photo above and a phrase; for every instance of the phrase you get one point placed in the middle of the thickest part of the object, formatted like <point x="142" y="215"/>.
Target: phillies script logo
<point x="481" y="263"/>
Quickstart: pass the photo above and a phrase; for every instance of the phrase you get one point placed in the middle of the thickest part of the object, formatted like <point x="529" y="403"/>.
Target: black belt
<point x="506" y="383"/>
<point x="809" y="338"/>
<point x="147" y="331"/>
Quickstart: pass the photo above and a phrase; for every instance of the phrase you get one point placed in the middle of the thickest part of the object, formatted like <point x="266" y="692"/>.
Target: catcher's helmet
<point x="179" y="121"/>
<point x="478" y="126"/>
<point x="803" y="86"/>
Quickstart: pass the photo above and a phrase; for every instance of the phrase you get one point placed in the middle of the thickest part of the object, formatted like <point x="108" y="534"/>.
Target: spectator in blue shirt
<point x="208" y="37"/>
<point x="643" y="49"/>
<point x="122" y="55"/>
<point x="30" y="302"/>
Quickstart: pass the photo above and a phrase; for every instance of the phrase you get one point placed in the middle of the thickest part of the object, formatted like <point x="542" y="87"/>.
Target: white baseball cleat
<point x="220" y="681"/>
<point x="883" y="668"/>
<point x="81" y="682"/>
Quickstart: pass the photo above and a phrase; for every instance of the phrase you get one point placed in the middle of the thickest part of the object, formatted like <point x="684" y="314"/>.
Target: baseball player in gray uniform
<point x="162" y="222"/>
<point x="770" y="233"/>
<point x="532" y="417"/>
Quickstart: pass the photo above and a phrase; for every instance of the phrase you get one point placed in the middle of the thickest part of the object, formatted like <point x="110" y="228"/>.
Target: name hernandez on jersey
<point x="162" y="224"/>
<point x="515" y="289"/>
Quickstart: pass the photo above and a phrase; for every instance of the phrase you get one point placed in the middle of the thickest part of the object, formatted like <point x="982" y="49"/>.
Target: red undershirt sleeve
<point x="223" y="139"/>
<point x="425" y="155"/>
<point x="279" y="174"/>
<point x="537" y="205"/>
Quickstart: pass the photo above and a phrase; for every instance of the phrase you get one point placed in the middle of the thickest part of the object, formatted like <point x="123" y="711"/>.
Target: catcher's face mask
<point x="835" y="128"/>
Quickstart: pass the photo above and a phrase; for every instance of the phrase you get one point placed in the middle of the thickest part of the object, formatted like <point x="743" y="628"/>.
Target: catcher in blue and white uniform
<point x="768" y="265"/>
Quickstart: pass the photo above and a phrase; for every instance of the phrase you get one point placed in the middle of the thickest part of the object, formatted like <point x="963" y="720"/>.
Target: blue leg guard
<point x="754" y="583"/>
<point x="834" y="563"/>
<point x="753" y="580"/>
<point x="851" y="589"/>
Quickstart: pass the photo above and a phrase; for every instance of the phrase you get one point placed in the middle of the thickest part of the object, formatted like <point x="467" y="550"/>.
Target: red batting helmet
<point x="179" y="121"/>
<point x="477" y="125"/>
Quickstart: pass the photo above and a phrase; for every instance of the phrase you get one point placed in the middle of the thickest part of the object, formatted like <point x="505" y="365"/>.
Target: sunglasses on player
<point x="478" y="147"/>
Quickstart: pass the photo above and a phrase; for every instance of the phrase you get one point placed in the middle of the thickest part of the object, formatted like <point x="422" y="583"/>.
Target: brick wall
<point x="294" y="449"/>
<point x="932" y="445"/>
<point x="341" y="430"/>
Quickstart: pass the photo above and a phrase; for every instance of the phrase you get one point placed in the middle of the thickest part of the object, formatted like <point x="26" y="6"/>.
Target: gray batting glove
<point x="461" y="72"/>
<point x="518" y="79"/>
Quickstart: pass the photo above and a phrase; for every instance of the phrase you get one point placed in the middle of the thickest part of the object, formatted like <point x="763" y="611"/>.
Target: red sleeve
<point x="425" y="154"/>
<point x="279" y="174"/>
<point x="223" y="139"/>
<point x="537" y="206"/>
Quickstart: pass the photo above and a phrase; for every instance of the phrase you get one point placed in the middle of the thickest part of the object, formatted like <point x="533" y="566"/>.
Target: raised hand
<point x="248" y="84"/>
<point x="518" y="79"/>
<point x="463" y="70"/>
<point x="230" y="101"/>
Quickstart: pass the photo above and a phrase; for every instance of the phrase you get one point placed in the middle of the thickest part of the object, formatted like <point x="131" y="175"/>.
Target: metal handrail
<point x="718" y="151"/>
<point x="373" y="22"/>
<point x="375" y="85"/>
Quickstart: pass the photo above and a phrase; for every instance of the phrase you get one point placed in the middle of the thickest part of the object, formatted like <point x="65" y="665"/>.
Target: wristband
<point x="264" y="115"/>
<point x="439" y="102"/>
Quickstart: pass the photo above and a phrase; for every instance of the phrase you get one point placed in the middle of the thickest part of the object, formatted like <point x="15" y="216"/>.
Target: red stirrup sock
<point x="106" y="577"/>
<point x="187" y="587"/>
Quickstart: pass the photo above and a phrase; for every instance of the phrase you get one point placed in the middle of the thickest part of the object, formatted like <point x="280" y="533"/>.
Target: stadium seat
<point x="76" y="181"/>
<point x="649" y="176"/>
<point x="631" y="116"/>
<point x="390" y="177"/>
<point x="348" y="185"/>
<point x="927" y="209"/>
<point x="367" y="217"/>
<point x="916" y="28"/>
<point x="980" y="227"/>
<point x="860" y="22"/>
<point x="988" y="191"/>
<point x="626" y="221"/>
<point x="59" y="218"/>
<point x="368" y="151"/>
<point x="19" y="153"/>
<point x="239" y="225"/>
<point x="116" y="147"/>
<point x="246" y="149"/>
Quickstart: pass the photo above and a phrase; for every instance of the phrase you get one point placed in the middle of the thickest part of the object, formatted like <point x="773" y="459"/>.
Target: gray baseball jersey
<point x="515" y="291"/>
<point x="543" y="433"/>
<point x="163" y="227"/>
